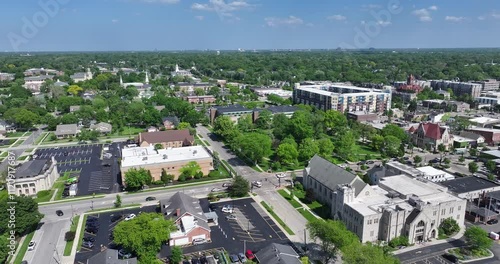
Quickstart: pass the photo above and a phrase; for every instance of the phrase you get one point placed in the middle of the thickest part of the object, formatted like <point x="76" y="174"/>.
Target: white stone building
<point x="33" y="176"/>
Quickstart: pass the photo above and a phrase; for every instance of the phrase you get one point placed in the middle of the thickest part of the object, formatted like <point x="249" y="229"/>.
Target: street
<point x="17" y="151"/>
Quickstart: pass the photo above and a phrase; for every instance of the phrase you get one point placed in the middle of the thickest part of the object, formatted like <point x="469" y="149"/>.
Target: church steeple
<point x="147" y="78"/>
<point x="121" y="81"/>
<point x="176" y="67"/>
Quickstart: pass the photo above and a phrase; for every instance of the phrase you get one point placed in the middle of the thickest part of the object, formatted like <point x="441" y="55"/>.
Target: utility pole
<point x="244" y="246"/>
<point x="305" y="240"/>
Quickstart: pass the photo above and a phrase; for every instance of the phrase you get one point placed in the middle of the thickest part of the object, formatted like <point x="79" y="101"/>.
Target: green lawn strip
<point x="24" y="248"/>
<point x="229" y="166"/>
<point x="275" y="216"/>
<point x="112" y="209"/>
<point x="18" y="142"/>
<point x="11" y="141"/>
<point x="306" y="214"/>
<point x="22" y="158"/>
<point x="206" y="143"/>
<point x="293" y="202"/>
<point x="44" y="196"/>
<point x="59" y="188"/>
<point x="189" y="183"/>
<point x="69" y="244"/>
<point x="128" y="131"/>
<point x="41" y="138"/>
<point x="4" y="154"/>
<point x="199" y="142"/>
<point x="16" y="134"/>
<point x="82" y="232"/>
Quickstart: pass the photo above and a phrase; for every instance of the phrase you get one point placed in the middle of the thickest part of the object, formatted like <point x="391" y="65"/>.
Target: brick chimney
<point x="178" y="212"/>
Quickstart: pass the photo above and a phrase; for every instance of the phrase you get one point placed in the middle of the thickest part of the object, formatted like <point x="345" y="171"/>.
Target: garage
<point x="179" y="241"/>
<point x="199" y="237"/>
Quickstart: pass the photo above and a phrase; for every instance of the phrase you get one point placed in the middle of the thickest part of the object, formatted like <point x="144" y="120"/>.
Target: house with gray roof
<point x="278" y="254"/>
<point x="323" y="177"/>
<point x="64" y="131"/>
<point x="102" y="127"/>
<point x="74" y="108"/>
<point x="191" y="221"/>
<point x="34" y="176"/>
<point x="170" y="122"/>
<point x="109" y="256"/>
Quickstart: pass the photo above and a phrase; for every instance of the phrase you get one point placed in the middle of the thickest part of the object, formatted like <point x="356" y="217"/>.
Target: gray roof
<point x="74" y="108"/>
<point x="494" y="195"/>
<point x="59" y="83"/>
<point x="69" y="129"/>
<point x="280" y="109"/>
<point x="102" y="127"/>
<point x="39" y="78"/>
<point x="232" y="108"/>
<point x="173" y="119"/>
<point x="110" y="256"/>
<point x="278" y="254"/>
<point x="78" y="75"/>
<point x="186" y="204"/>
<point x="32" y="168"/>
<point x="468" y="184"/>
<point x="332" y="175"/>
<point x="470" y="135"/>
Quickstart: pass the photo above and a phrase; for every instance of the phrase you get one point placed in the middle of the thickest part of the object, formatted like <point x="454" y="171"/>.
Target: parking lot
<point x="95" y="175"/>
<point x="430" y="260"/>
<point x="106" y="226"/>
<point x="252" y="229"/>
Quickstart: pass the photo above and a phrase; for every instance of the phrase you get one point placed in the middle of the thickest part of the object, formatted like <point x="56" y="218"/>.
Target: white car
<point x="130" y="217"/>
<point x="227" y="209"/>
<point x="31" y="246"/>
<point x="257" y="184"/>
<point x="280" y="175"/>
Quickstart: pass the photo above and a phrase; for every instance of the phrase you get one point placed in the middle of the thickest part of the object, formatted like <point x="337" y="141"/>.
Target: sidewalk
<point x="431" y="243"/>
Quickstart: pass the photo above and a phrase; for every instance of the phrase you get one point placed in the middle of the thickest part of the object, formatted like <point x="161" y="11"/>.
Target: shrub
<point x="182" y="178"/>
<point x="157" y="183"/>
<point x="399" y="241"/>
<point x="198" y="175"/>
<point x="298" y="186"/>
<point x="449" y="226"/>
<point x="70" y="236"/>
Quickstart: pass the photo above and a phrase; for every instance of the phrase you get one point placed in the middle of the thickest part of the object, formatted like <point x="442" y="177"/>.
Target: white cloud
<point x="337" y="18"/>
<point x="423" y="15"/>
<point x="371" y="7"/>
<point x="114" y="21"/>
<point x="222" y="8"/>
<point x="383" y="23"/>
<point x="159" y="1"/>
<point x="199" y="17"/>
<point x="481" y="17"/>
<point x="288" y="21"/>
<point x="493" y="15"/>
<point x="454" y="18"/>
<point x="433" y="8"/>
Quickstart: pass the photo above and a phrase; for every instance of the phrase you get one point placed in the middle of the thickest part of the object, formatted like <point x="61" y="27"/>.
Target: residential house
<point x="170" y="122"/>
<point x="34" y="83"/>
<point x="200" y="99"/>
<point x="42" y="71"/>
<point x="170" y="160"/>
<point x="159" y="107"/>
<point x="233" y="111"/>
<point x="6" y="76"/>
<point x="64" y="131"/>
<point x="278" y="254"/>
<point x="430" y="136"/>
<point x="168" y="139"/>
<point x="6" y="128"/>
<point x="102" y="127"/>
<point x="189" y="218"/>
<point x="74" y="108"/>
<point x="491" y="135"/>
<point x="33" y="176"/>
<point x="109" y="256"/>
<point x="58" y="83"/>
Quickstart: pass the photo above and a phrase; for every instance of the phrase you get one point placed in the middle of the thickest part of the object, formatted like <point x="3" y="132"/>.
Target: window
<point x="433" y="222"/>
<point x="451" y="210"/>
<point x="375" y="221"/>
<point x="443" y="211"/>
<point x="459" y="208"/>
<point x="369" y="222"/>
<point x="434" y="214"/>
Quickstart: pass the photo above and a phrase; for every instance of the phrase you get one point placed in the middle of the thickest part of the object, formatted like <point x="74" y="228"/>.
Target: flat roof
<point x="484" y="129"/>
<point x="468" y="184"/>
<point x="403" y="167"/>
<point x="495" y="153"/>
<point x="318" y="90"/>
<point x="462" y="139"/>
<point x="140" y="156"/>
<point x="431" y="171"/>
<point x="484" y="120"/>
<point x="407" y="185"/>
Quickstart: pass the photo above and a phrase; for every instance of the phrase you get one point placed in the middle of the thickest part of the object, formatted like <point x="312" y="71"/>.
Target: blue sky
<point x="103" y="25"/>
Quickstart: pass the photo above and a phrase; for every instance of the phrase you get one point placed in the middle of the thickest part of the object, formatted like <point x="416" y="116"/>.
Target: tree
<point x="247" y="145"/>
<point x="333" y="235"/>
<point x="245" y="123"/>
<point x="190" y="169"/>
<point x="136" y="178"/>
<point x="240" y="187"/>
<point x="144" y="235"/>
<point x="477" y="238"/>
<point x="264" y="120"/>
<point x="449" y="226"/>
<point x="287" y="153"/>
<point x="473" y="152"/>
<point x="280" y="125"/>
<point x="367" y="253"/>
<point x="224" y="127"/>
<point x="473" y="167"/>
<point x="74" y="89"/>
<point x="304" y="260"/>
<point x="377" y="142"/>
<point x="26" y="211"/>
<point x="391" y="146"/>
<point x="441" y="149"/>
<point x="461" y="159"/>
<point x="335" y="121"/>
<point x="299" y="126"/>
<point x="118" y="201"/>
<point x="326" y="147"/>
<point x="158" y="146"/>
<point x="165" y="177"/>
<point x="417" y="159"/>
<point x="491" y="165"/>
<point x="176" y="254"/>
<point x="307" y="149"/>
<point x="344" y="144"/>
<point x="396" y="131"/>
<point x="4" y="248"/>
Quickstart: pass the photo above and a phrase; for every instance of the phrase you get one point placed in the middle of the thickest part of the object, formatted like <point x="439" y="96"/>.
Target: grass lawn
<point x="69" y="244"/>
<point x="40" y="138"/>
<point x="199" y="142"/>
<point x="11" y="141"/>
<point x="16" y="134"/>
<point x="293" y="202"/>
<point x="3" y="194"/>
<point x="18" y="142"/>
<point x="275" y="216"/>
<point x="44" y="196"/>
<point x="22" y="158"/>
<point x="206" y="143"/>
<point x="128" y="131"/>
<point x="229" y="166"/>
<point x="24" y="248"/>
<point x="318" y="208"/>
<point x="82" y="231"/>
<point x="4" y="154"/>
<point x="306" y="214"/>
<point x="363" y="150"/>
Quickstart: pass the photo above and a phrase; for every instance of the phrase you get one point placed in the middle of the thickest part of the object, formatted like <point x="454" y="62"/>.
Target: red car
<point x="249" y="254"/>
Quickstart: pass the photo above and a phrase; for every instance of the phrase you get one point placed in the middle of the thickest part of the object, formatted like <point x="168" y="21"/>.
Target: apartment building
<point x="489" y="84"/>
<point x="330" y="96"/>
<point x="458" y="88"/>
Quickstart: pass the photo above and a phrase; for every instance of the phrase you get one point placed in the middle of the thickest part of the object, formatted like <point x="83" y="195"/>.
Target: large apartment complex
<point x="458" y="88"/>
<point x="331" y="96"/>
<point x="399" y="206"/>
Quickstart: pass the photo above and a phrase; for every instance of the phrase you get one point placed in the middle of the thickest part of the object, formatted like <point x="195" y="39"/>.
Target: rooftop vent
<point x="165" y="156"/>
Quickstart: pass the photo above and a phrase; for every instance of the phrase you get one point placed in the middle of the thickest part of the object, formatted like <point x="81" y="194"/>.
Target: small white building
<point x="434" y="175"/>
<point x="82" y="76"/>
<point x="33" y="176"/>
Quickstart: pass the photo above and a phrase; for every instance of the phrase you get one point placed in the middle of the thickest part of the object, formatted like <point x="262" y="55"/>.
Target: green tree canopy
<point x="240" y="187"/>
<point x="26" y="212"/>
<point x="136" y="178"/>
<point x="477" y="238"/>
<point x="287" y="153"/>
<point x="449" y="226"/>
<point x="190" y="169"/>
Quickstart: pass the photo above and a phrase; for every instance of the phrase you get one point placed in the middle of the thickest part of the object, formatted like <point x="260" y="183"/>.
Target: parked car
<point x="242" y="257"/>
<point x="150" y="198"/>
<point x="234" y="259"/>
<point x="88" y="244"/>
<point x="130" y="217"/>
<point x="203" y="260"/>
<point x="59" y="213"/>
<point x="492" y="222"/>
<point x="249" y="254"/>
<point x="227" y="209"/>
<point x="199" y="241"/>
<point x="231" y="217"/>
<point x="24" y="262"/>
<point x="226" y="185"/>
<point x="92" y="229"/>
<point x="116" y="217"/>
<point x="31" y="246"/>
<point x="89" y="239"/>
<point x="450" y="257"/>
<point x="124" y="254"/>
